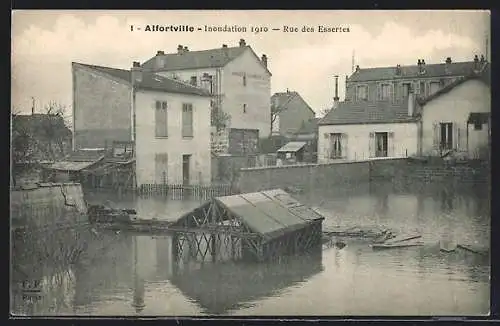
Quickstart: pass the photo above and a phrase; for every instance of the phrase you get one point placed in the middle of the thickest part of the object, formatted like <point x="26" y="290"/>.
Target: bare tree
<point x="219" y="118"/>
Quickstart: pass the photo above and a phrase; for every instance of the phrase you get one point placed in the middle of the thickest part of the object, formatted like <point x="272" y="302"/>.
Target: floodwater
<point x="134" y="275"/>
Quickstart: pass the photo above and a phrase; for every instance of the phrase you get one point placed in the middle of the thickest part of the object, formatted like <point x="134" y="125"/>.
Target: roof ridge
<point x="416" y="65"/>
<point x="205" y="50"/>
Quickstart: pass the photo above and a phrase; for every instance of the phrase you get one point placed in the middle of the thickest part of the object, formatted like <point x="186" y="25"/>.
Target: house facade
<point x="289" y="112"/>
<point x="239" y="81"/>
<point x="167" y="120"/>
<point x="410" y="110"/>
<point x="457" y="119"/>
<point x="394" y="83"/>
<point x="359" y="131"/>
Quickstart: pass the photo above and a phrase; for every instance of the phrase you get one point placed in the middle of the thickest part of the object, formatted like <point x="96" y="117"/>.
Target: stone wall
<point x="352" y="174"/>
<point x="46" y="204"/>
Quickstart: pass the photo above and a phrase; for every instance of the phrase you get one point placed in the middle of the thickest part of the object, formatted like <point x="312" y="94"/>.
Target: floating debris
<point x="447" y="246"/>
<point x="400" y="244"/>
<point x="473" y="249"/>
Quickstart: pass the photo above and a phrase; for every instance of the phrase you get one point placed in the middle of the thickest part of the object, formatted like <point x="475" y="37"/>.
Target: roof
<point x="363" y="112"/>
<point x="484" y="75"/>
<point x="292" y="146"/>
<point x="70" y="166"/>
<point x="269" y="213"/>
<point x="211" y="58"/>
<point x="478" y="117"/>
<point x="151" y="81"/>
<point x="308" y="127"/>
<point x="281" y="99"/>
<point x="411" y="72"/>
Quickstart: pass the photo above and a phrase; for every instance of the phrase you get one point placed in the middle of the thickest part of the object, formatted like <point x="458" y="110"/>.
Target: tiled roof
<point x="410" y="72"/>
<point x="367" y="112"/>
<point x="151" y="81"/>
<point x="212" y="58"/>
<point x="281" y="99"/>
<point x="484" y="75"/>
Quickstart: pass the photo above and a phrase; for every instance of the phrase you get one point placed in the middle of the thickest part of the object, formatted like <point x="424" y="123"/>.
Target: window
<point x="161" y="165"/>
<point x="422" y="88"/>
<point x="446" y="136"/>
<point x="161" y="119"/>
<point x="187" y="120"/>
<point x="244" y="108"/>
<point x="244" y="80"/>
<point x="381" y="143"/>
<point x="478" y="125"/>
<point x="193" y="81"/>
<point x="385" y="91"/>
<point x="406" y="90"/>
<point x="338" y="144"/>
<point x="362" y="93"/>
<point x="434" y="87"/>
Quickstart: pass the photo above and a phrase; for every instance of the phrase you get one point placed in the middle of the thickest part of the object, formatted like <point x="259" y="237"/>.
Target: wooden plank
<point x="402" y="238"/>
<point x="397" y="245"/>
<point x="472" y="249"/>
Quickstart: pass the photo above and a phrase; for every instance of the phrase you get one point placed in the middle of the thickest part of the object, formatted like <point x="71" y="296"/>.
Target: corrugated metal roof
<point x="269" y="213"/>
<point x="70" y="166"/>
<point x="292" y="146"/>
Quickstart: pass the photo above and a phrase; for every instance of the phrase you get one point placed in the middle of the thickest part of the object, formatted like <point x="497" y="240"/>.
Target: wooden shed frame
<point x="214" y="227"/>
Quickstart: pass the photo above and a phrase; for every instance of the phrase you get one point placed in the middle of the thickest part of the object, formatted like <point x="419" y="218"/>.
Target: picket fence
<point x="179" y="191"/>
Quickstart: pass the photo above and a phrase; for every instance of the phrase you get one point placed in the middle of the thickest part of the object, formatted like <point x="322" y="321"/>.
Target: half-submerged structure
<point x="256" y="226"/>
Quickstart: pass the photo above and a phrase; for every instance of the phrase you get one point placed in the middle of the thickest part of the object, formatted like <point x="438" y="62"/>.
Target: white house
<point x="457" y="117"/>
<point x="167" y="120"/>
<point x="363" y="130"/>
<point x="239" y="80"/>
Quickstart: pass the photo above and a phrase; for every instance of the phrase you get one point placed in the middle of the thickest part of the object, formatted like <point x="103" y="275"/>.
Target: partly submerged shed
<point x="261" y="225"/>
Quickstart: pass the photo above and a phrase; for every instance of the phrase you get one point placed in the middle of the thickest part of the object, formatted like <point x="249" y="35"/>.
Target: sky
<point x="44" y="43"/>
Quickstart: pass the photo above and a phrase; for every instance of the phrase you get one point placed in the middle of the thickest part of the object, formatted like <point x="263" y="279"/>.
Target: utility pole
<point x="32" y="105"/>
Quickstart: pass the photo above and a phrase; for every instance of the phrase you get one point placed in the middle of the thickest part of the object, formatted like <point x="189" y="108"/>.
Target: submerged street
<point x="134" y="274"/>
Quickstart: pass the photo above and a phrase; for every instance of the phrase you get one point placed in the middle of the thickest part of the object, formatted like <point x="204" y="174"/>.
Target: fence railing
<point x="179" y="191"/>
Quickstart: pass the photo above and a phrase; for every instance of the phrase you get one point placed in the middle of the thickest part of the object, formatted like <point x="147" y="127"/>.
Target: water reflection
<point x="123" y="274"/>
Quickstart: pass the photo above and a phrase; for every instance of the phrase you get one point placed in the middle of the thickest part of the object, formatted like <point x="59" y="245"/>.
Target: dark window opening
<point x="478" y="126"/>
<point x="446" y="136"/>
<point x="244" y="80"/>
<point x="193" y="81"/>
<point x="244" y="108"/>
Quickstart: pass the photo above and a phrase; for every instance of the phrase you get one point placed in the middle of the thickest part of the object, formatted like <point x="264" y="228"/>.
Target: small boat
<point x="402" y="244"/>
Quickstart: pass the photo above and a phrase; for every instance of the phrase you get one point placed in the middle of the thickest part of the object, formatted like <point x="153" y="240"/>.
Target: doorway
<point x="186" y="163"/>
<point x="381" y="141"/>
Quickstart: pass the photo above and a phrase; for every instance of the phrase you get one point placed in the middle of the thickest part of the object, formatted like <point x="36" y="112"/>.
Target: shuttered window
<point x="161" y="119"/>
<point x="434" y="87"/>
<point x="161" y="168"/>
<point x="385" y="92"/>
<point x="187" y="120"/>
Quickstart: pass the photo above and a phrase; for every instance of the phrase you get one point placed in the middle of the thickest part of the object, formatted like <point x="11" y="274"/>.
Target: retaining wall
<point x="46" y="204"/>
<point x="350" y="174"/>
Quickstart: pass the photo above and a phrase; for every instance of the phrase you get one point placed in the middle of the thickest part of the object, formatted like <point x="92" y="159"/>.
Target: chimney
<point x="421" y="64"/>
<point x="180" y="49"/>
<point x="287" y="91"/>
<point x="264" y="60"/>
<point x="411" y="102"/>
<point x="357" y="68"/>
<point x="242" y="43"/>
<point x="32" y="106"/>
<point x="224" y="46"/>
<point x="483" y="60"/>
<point x="160" y="60"/>
<point x="336" y="97"/>
<point x="398" y="70"/>
<point x="136" y="73"/>
<point x="186" y="49"/>
<point x="447" y="64"/>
